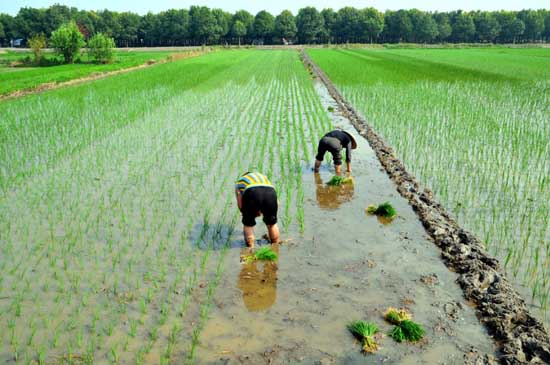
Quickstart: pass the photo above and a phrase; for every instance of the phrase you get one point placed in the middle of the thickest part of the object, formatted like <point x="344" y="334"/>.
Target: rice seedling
<point x="412" y="331"/>
<point x="396" y="316"/>
<point x="337" y="180"/>
<point x="383" y="210"/>
<point x="405" y="328"/>
<point x="265" y="254"/>
<point x="364" y="332"/>
<point x="122" y="162"/>
<point x="464" y="134"/>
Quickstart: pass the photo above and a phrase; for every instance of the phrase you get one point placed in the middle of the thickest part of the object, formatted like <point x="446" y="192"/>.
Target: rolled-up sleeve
<point x="348" y="152"/>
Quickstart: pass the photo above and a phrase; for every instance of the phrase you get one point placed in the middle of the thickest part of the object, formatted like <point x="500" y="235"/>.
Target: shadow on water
<point x="331" y="197"/>
<point x="258" y="282"/>
<point x="215" y="236"/>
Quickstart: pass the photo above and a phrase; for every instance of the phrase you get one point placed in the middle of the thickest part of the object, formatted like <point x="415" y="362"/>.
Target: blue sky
<point x="275" y="7"/>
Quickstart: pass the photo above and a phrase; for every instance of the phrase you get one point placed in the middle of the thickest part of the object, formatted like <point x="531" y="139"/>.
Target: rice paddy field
<point x="114" y="194"/>
<point x="473" y="125"/>
<point x="121" y="242"/>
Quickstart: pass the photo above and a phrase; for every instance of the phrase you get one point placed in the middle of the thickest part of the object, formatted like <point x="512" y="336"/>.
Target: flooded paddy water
<point x="346" y="266"/>
<point x="127" y="250"/>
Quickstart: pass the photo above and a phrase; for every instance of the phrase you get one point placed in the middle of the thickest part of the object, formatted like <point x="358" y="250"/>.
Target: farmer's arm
<point x="348" y="156"/>
<point x="239" y="199"/>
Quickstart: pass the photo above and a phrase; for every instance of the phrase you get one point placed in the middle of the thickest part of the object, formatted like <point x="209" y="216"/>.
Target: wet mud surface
<point x="519" y="336"/>
<point x="346" y="266"/>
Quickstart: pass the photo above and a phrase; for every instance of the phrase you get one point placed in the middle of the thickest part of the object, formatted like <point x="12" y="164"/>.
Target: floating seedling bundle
<point x="385" y="210"/>
<point x="405" y="328"/>
<point x="340" y="180"/>
<point x="263" y="254"/>
<point x="364" y="332"/>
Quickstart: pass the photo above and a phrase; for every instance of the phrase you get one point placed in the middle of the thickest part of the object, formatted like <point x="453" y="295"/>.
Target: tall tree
<point x="203" y="24"/>
<point x="310" y="25"/>
<point x="108" y="23"/>
<point x="534" y="24"/>
<point x="348" y="24"/>
<point x="511" y="27"/>
<point x="85" y="21"/>
<point x="247" y="20"/>
<point x="2" y="34"/>
<point x="463" y="28"/>
<point x="127" y="32"/>
<point x="487" y="26"/>
<point x="285" y="26"/>
<point x="6" y="23"/>
<point x="425" y="28"/>
<point x="28" y="22"/>
<point x="330" y="17"/>
<point x="174" y="27"/>
<point x="238" y="30"/>
<point x="264" y="26"/>
<point x="444" y="28"/>
<point x="398" y="26"/>
<point x="148" y="30"/>
<point x="223" y="22"/>
<point x="56" y="15"/>
<point x="371" y="23"/>
<point x="547" y="25"/>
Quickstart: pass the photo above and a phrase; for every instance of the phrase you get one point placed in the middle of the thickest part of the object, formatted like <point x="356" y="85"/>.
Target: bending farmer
<point x="256" y="196"/>
<point x="334" y="142"/>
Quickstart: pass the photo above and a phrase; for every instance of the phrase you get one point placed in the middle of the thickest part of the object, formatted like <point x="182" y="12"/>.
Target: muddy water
<point x="346" y="266"/>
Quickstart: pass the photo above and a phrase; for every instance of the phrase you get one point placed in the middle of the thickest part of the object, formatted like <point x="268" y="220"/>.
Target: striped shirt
<point x="252" y="179"/>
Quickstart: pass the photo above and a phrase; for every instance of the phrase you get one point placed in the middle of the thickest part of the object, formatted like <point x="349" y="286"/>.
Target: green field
<point x="116" y="196"/>
<point x="20" y="77"/>
<point x="117" y="208"/>
<point x="473" y="125"/>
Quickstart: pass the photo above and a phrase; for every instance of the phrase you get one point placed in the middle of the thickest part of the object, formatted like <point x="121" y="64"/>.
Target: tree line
<point x="200" y="25"/>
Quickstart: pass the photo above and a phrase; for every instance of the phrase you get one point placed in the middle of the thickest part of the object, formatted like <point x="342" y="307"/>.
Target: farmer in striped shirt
<point x="256" y="196"/>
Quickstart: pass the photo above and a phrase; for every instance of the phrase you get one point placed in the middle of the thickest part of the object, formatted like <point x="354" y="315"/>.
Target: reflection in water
<point x="330" y="197"/>
<point x="384" y="220"/>
<point x="258" y="283"/>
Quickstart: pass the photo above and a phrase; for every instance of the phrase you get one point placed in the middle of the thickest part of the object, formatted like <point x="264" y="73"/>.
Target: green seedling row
<point x="472" y="125"/>
<point x="117" y="205"/>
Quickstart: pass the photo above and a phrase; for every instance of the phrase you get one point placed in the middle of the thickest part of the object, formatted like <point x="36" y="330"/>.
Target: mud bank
<point x="519" y="336"/>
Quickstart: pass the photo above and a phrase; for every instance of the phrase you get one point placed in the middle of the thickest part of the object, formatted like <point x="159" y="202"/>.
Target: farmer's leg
<point x="249" y="211"/>
<point x="273" y="231"/>
<point x="320" y="154"/>
<point x="269" y="207"/>
<point x="248" y="233"/>
<point x="337" y="157"/>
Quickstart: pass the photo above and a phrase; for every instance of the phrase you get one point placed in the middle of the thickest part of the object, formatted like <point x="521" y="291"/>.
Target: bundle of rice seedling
<point x="397" y="334"/>
<point x="364" y="332"/>
<point x="412" y="331"/>
<point x="384" y="210"/>
<point x="396" y="316"/>
<point x="339" y="180"/>
<point x="265" y="254"/>
<point x="405" y="328"/>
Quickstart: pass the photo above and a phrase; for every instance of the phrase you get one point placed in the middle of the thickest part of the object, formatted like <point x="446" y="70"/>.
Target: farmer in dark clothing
<point x="334" y="142"/>
<point x="256" y="196"/>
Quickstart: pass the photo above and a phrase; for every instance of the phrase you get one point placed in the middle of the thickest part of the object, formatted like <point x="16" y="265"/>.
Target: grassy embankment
<point x="24" y="78"/>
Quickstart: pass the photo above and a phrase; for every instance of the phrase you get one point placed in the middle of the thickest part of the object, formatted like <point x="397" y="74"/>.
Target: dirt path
<point x="346" y="266"/>
<point x="96" y="76"/>
<point x="520" y="337"/>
